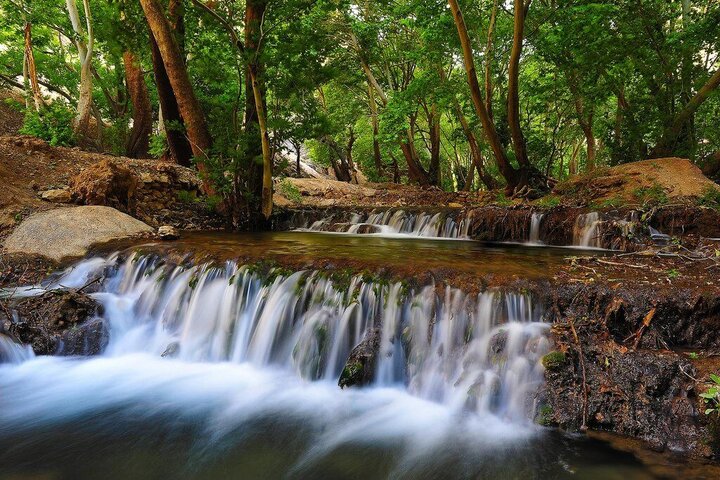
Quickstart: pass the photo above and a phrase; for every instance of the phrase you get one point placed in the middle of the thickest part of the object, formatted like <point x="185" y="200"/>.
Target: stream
<point x="220" y="369"/>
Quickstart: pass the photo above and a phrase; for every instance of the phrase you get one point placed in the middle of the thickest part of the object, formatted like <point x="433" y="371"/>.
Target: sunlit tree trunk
<point x="84" y="41"/>
<point x="488" y="61"/>
<point x="434" y="168"/>
<point x="32" y="79"/>
<point x="518" y="140"/>
<point x="254" y="13"/>
<point x="170" y="119"/>
<point x="377" y="156"/>
<point x="138" y="143"/>
<point x="506" y="169"/>
<point x="193" y="116"/>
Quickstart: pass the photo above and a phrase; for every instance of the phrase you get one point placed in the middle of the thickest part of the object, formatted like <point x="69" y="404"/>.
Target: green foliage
<point x="549" y="201"/>
<point x="186" y="196"/>
<point x="673" y="273"/>
<point x="710" y="197"/>
<point x="711" y="396"/>
<point x="158" y="144"/>
<point x="288" y="190"/>
<point x="502" y="200"/>
<point x="52" y="124"/>
<point x="653" y="195"/>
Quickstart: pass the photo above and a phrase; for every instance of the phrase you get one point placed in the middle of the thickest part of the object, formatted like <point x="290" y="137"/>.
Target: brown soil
<point x="637" y="183"/>
<point x="29" y="166"/>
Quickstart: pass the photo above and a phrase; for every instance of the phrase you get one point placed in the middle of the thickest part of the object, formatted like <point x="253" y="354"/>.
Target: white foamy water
<point x="220" y="350"/>
<point x="396" y="223"/>
<point x="586" y="232"/>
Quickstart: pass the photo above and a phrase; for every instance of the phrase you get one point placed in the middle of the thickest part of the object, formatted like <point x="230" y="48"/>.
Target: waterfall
<point x="12" y="352"/>
<point x="228" y="348"/>
<point x="535" y="221"/>
<point x="586" y="232"/>
<point x="393" y="223"/>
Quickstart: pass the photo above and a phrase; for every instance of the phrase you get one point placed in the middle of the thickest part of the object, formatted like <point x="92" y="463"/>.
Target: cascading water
<point x="586" y="232"/>
<point x="394" y="223"/>
<point x="225" y="349"/>
<point x="535" y="223"/>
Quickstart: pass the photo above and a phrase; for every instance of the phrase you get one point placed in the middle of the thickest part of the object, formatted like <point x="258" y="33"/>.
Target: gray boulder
<point x="70" y="232"/>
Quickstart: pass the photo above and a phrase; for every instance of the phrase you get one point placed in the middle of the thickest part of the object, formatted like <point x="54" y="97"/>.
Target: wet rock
<point x="57" y="195"/>
<point x="59" y="322"/>
<point x="70" y="232"/>
<point x="168" y="232"/>
<point x="614" y="368"/>
<point x="360" y="367"/>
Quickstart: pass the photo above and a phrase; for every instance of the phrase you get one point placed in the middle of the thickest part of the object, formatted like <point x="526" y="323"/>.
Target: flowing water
<point x="587" y="230"/>
<point x="535" y="232"/>
<point x="397" y="223"/>
<point x="228" y="371"/>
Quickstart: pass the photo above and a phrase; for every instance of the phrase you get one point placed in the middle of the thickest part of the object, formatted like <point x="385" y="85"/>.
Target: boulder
<point x="57" y="195"/>
<point x="106" y="183"/>
<point x="60" y="322"/>
<point x="168" y="232"/>
<point x="70" y="232"/>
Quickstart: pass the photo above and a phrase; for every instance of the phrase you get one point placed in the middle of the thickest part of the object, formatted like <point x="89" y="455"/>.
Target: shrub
<point x="712" y="395"/>
<point x="654" y="194"/>
<point x="710" y="197"/>
<point x="290" y="191"/>
<point x="52" y="124"/>
<point x="158" y="144"/>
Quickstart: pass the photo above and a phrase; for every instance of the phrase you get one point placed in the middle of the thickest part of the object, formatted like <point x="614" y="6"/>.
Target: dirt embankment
<point x="154" y="191"/>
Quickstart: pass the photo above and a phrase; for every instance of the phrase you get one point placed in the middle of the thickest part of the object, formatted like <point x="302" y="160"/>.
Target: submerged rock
<point x="70" y="232"/>
<point x="59" y="322"/>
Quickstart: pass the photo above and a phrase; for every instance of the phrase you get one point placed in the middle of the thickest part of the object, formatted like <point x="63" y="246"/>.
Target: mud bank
<point x="626" y="361"/>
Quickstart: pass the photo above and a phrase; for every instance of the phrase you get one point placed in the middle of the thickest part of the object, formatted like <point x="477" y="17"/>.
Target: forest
<point x="459" y="95"/>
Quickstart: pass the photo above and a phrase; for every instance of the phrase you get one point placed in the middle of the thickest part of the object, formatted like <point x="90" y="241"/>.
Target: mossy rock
<point x="553" y="360"/>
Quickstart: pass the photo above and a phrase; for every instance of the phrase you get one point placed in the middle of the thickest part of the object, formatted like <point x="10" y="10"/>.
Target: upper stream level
<point x="223" y="370"/>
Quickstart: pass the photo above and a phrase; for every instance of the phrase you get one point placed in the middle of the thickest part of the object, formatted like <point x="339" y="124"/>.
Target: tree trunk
<point x="139" y="142"/>
<point x="84" y="43"/>
<point x="193" y="116"/>
<point x="172" y="123"/>
<point x="668" y="142"/>
<point x="434" y="168"/>
<point x="475" y="153"/>
<point x="518" y="140"/>
<point x="255" y="118"/>
<point x="31" y="70"/>
<point x="506" y="169"/>
<point x="585" y="119"/>
<point x="488" y="62"/>
<point x="377" y="156"/>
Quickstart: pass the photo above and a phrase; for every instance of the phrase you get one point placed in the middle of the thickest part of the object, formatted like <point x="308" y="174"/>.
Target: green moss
<point x="350" y="374"/>
<point x="553" y="360"/>
<point x="544" y="415"/>
<point x="549" y="201"/>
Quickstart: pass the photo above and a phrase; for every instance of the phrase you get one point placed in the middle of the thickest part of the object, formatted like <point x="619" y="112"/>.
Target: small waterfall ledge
<point x="471" y="353"/>
<point x="560" y="226"/>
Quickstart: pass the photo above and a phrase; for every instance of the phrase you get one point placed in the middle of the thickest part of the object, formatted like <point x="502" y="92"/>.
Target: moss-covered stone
<point x="553" y="360"/>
